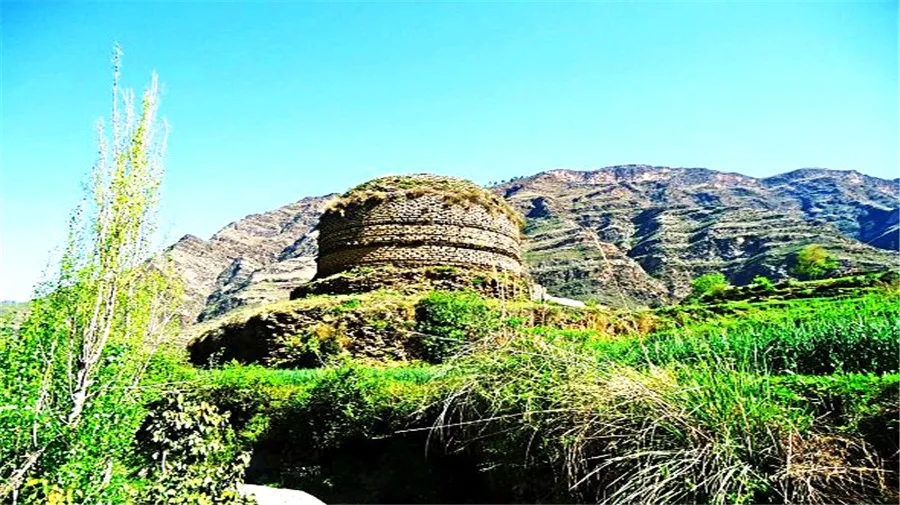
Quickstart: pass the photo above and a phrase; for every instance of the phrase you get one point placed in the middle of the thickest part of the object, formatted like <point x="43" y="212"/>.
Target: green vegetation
<point x="764" y="283"/>
<point x="747" y="402"/>
<point x="11" y="317"/>
<point x="189" y="451"/>
<point x="709" y="284"/>
<point x="848" y="286"/>
<point x="448" y="320"/>
<point x="814" y="262"/>
<point x="72" y="375"/>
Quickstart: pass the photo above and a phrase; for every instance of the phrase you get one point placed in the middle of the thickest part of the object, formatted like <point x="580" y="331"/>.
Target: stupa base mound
<point x="377" y="328"/>
<point x="502" y="285"/>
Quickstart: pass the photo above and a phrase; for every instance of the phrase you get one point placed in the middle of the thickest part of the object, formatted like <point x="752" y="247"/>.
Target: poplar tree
<point x="69" y="402"/>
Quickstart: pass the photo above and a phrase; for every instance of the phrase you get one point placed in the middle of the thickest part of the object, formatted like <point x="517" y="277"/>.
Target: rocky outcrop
<point x="257" y="259"/>
<point x="859" y="206"/>
<point x="269" y="283"/>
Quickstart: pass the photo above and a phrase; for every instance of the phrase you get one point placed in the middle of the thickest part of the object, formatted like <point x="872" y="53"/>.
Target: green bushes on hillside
<point x="814" y="262"/>
<point x="708" y="284"/>
<point x="447" y="320"/>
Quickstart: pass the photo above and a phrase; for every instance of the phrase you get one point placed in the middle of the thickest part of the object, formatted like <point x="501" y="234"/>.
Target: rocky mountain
<point x="257" y="259"/>
<point x="624" y="235"/>
<point x="668" y="225"/>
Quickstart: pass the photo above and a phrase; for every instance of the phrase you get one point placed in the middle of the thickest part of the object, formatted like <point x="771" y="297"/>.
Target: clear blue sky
<point x="270" y="102"/>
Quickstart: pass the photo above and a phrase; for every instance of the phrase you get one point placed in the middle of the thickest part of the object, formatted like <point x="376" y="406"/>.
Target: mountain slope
<point x="257" y="259"/>
<point x="624" y="235"/>
<point x="677" y="223"/>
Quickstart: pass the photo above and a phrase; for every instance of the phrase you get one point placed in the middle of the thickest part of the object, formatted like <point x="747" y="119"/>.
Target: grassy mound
<point x="383" y="326"/>
<point x="416" y="280"/>
<point x="450" y="189"/>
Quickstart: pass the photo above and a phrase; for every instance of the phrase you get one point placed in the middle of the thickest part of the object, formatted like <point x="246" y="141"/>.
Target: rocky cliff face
<point x="625" y="235"/>
<point x="258" y="259"/>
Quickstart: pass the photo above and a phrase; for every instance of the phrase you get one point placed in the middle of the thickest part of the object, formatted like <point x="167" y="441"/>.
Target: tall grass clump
<point x="711" y="431"/>
<point x="854" y="335"/>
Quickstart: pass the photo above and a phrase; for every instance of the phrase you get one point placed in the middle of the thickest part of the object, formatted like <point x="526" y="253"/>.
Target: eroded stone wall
<point x="418" y="231"/>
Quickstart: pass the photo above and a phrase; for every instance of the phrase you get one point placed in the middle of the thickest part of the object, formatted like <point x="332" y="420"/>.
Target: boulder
<point x="275" y="496"/>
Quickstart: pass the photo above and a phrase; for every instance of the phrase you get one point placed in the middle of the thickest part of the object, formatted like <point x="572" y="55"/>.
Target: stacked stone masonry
<point x="418" y="230"/>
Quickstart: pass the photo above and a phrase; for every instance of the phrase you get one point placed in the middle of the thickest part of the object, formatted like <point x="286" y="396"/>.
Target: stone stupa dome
<point x="419" y="220"/>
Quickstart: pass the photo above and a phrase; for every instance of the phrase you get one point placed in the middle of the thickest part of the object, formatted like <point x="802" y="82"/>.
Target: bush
<point x="708" y="284"/>
<point x="764" y="283"/>
<point x="449" y="319"/>
<point x="190" y="455"/>
<point x="814" y="262"/>
<point x="603" y="432"/>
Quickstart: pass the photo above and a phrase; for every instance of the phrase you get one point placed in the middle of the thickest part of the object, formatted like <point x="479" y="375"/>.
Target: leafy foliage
<point x="764" y="282"/>
<point x="190" y="455"/>
<point x="68" y="379"/>
<point x="814" y="262"/>
<point x="708" y="284"/>
<point x="448" y="319"/>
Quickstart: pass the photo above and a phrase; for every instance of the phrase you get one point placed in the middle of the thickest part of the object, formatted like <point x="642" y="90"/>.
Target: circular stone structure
<point x="419" y="220"/>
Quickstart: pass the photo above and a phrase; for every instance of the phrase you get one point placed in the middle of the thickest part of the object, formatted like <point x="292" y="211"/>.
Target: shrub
<point x="449" y="319"/>
<point x="814" y="262"/>
<point x="764" y="283"/>
<point x="705" y="433"/>
<point x="708" y="284"/>
<point x="190" y="455"/>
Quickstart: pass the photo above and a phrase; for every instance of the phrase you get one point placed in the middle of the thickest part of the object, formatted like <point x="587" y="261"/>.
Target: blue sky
<point x="270" y="102"/>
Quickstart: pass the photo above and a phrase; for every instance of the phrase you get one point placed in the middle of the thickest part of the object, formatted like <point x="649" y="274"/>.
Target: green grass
<point x="742" y="402"/>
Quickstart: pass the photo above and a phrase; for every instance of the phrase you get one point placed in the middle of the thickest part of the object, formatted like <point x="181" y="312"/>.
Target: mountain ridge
<point x="622" y="235"/>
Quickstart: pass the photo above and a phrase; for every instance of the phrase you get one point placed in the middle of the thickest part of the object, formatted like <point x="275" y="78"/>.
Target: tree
<point x="708" y="284"/>
<point x="764" y="282"/>
<point x="814" y="262"/>
<point x="69" y="405"/>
